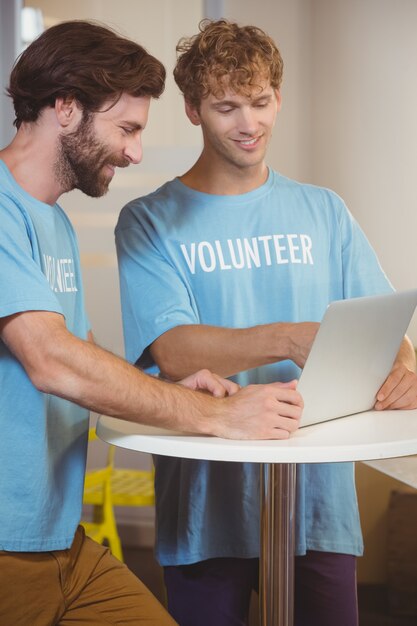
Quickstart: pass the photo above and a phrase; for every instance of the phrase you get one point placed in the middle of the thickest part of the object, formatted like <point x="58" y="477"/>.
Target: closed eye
<point x="225" y="109"/>
<point x="261" y="104"/>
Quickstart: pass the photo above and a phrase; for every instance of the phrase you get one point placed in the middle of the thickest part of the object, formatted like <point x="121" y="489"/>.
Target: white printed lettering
<point x="223" y="265"/>
<point x="252" y="253"/>
<point x="306" y="245"/>
<point x="60" y="274"/>
<point x="264" y="250"/>
<point x="189" y="259"/>
<point x="292" y="247"/>
<point x="236" y="264"/>
<point x="265" y="239"/>
<point x="279" y="249"/>
<point x="212" y="260"/>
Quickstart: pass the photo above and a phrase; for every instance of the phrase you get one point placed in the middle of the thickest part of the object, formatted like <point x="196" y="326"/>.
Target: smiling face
<point x="89" y="155"/>
<point x="237" y="127"/>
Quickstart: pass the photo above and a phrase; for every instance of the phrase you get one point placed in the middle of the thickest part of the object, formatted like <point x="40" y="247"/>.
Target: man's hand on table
<point x="254" y="412"/>
<point x="260" y="412"/>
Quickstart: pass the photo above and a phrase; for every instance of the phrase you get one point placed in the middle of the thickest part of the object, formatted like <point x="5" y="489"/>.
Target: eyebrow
<point x="266" y="96"/>
<point x="233" y="103"/>
<point x="224" y="103"/>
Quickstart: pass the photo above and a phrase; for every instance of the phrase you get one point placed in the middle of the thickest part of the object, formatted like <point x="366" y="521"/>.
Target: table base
<point x="276" y="574"/>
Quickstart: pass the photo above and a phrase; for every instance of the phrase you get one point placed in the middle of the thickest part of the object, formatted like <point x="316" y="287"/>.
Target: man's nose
<point x="133" y="150"/>
<point x="248" y="121"/>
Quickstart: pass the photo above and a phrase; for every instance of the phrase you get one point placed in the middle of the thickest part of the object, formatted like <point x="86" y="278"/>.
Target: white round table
<point x="365" y="436"/>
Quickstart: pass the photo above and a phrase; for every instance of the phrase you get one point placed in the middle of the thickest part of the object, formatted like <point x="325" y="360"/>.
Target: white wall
<point x="9" y="49"/>
<point x="365" y="124"/>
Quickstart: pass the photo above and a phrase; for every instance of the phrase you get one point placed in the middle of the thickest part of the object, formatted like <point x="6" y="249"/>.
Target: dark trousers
<point x="217" y="592"/>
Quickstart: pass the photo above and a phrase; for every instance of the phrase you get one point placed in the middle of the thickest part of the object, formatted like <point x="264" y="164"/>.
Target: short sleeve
<point x="362" y="272"/>
<point x="154" y="297"/>
<point x="24" y="287"/>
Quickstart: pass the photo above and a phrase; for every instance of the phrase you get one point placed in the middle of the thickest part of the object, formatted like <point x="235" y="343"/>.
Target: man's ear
<point x="68" y="112"/>
<point x="192" y="114"/>
<point x="279" y="99"/>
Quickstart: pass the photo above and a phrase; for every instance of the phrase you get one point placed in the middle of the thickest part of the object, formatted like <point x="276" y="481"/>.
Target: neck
<point x="30" y="159"/>
<point x="227" y="179"/>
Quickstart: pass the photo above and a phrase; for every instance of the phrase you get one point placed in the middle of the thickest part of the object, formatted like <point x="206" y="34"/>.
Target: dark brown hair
<point x="245" y="56"/>
<point x="83" y="60"/>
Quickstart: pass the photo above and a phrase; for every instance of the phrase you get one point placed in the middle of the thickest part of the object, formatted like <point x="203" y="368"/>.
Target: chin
<point x="94" y="192"/>
<point x="96" y="188"/>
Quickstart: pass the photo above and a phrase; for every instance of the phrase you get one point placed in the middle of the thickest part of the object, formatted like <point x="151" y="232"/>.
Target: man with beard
<point x="81" y="95"/>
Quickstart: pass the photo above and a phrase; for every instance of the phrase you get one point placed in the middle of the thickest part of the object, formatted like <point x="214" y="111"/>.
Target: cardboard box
<point x="402" y="553"/>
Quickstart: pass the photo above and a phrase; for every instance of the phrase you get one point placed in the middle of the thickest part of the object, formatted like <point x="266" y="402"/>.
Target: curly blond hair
<point x="223" y="52"/>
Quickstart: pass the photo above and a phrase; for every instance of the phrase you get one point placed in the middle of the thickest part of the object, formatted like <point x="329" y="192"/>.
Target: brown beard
<point x="81" y="159"/>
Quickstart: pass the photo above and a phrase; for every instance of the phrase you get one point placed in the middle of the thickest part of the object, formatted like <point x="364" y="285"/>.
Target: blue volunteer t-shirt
<point x="43" y="438"/>
<point x="279" y="253"/>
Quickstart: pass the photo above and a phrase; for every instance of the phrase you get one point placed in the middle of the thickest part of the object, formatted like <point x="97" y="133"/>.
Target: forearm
<point x="227" y="351"/>
<point x="61" y="364"/>
<point x="104" y="383"/>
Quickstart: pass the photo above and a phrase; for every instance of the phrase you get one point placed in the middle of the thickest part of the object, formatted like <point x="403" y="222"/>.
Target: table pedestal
<point x="276" y="573"/>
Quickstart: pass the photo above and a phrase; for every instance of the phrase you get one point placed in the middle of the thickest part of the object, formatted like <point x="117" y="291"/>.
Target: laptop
<point x="352" y="354"/>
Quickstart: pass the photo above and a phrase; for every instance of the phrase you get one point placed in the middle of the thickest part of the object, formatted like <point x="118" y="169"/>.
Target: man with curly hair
<point x="248" y="261"/>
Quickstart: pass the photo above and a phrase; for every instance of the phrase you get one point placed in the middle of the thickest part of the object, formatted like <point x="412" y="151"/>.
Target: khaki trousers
<point x="84" y="585"/>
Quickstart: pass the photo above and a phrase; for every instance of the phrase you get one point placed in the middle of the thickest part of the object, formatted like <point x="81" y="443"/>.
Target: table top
<point x="364" y="436"/>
